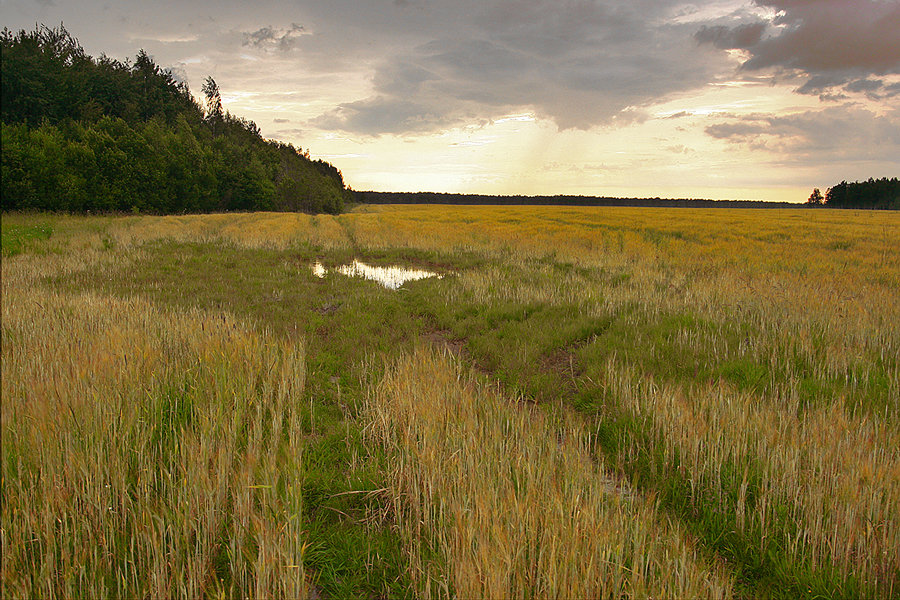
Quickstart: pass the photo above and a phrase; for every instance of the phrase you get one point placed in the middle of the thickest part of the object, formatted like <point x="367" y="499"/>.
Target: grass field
<point x="591" y="402"/>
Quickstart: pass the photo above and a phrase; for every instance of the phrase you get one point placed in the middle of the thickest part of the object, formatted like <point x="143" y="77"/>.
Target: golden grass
<point x="252" y="230"/>
<point x="795" y="276"/>
<point x="497" y="500"/>
<point x="146" y="453"/>
<point x="814" y="288"/>
<point x="799" y="273"/>
<point x="817" y="294"/>
<point x="834" y="476"/>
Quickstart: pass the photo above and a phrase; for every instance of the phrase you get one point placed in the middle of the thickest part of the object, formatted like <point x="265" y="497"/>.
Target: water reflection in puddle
<point x="390" y="277"/>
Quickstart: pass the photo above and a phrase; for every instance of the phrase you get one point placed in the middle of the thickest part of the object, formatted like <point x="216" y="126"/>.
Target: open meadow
<point x="588" y="402"/>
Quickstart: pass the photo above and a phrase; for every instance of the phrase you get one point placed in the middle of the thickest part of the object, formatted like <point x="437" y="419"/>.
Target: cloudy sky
<point x="759" y="99"/>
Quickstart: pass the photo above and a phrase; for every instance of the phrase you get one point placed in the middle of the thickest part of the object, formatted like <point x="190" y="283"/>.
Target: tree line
<point x="559" y="200"/>
<point x="881" y="193"/>
<point x="82" y="134"/>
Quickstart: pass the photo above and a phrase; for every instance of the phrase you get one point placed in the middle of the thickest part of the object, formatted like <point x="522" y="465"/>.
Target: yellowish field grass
<point x="811" y="297"/>
<point x="834" y="477"/>
<point x="837" y="272"/>
<point x="809" y="264"/>
<point x="497" y="500"/>
<point x="253" y="230"/>
<point x="146" y="452"/>
<point x="820" y="289"/>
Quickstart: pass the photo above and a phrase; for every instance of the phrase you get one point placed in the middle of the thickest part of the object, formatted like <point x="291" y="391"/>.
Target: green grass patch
<point x="16" y="239"/>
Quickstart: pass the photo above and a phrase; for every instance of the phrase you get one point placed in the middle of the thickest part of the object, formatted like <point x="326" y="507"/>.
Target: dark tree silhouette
<point x="874" y="193"/>
<point x="816" y="197"/>
<point x="214" y="111"/>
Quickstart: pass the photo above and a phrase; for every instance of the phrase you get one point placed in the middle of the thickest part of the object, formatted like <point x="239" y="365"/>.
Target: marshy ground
<point x="590" y="402"/>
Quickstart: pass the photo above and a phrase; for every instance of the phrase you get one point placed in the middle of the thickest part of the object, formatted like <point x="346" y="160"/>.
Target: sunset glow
<point x="718" y="99"/>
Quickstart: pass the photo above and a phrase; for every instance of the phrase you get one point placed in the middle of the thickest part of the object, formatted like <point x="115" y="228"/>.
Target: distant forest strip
<point x="81" y="134"/>
<point x="479" y="199"/>
<point x="872" y="194"/>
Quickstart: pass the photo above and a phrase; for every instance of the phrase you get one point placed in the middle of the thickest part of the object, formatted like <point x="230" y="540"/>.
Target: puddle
<point x="390" y="277"/>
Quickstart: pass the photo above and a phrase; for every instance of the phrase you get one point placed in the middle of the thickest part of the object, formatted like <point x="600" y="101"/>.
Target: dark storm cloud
<point x="835" y="133"/>
<point x="832" y="36"/>
<point x="578" y="63"/>
<point x="865" y="85"/>
<point x="379" y="115"/>
<point x="271" y="38"/>
<point x="435" y="64"/>
<point x="835" y="43"/>
<point x="742" y="36"/>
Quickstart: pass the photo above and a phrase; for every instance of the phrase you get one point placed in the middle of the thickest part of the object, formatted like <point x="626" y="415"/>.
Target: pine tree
<point x="214" y="112"/>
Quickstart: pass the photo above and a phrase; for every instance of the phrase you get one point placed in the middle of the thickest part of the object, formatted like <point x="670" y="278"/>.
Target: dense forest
<point x="81" y="134"/>
<point x="874" y="193"/>
<point x="474" y="199"/>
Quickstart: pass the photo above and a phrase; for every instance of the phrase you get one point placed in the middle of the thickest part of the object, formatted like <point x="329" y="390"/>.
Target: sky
<point x="724" y="99"/>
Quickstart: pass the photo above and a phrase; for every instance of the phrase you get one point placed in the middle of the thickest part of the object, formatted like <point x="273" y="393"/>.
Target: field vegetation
<point x="592" y="402"/>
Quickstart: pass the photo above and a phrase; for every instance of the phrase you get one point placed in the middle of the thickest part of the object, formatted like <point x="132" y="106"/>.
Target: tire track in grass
<point x="496" y="498"/>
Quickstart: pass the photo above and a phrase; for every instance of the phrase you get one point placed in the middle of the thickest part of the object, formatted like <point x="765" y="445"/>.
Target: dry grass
<point x="812" y="298"/>
<point x="795" y="274"/>
<point x="833" y="476"/>
<point x="497" y="500"/>
<point x="817" y="296"/>
<point x="252" y="230"/>
<point x="146" y="453"/>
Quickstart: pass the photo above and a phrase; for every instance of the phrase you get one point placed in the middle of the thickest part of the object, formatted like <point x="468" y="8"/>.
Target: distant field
<point x="617" y="402"/>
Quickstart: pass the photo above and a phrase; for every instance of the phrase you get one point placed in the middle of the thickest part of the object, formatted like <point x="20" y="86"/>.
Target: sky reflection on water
<point x="390" y="277"/>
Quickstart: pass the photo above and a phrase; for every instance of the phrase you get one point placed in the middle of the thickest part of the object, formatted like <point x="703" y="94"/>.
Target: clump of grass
<point x="498" y="500"/>
<point x="146" y="453"/>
